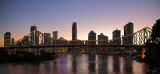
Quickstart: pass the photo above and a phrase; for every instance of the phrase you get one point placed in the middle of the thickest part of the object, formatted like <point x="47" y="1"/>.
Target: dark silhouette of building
<point x="92" y="37"/>
<point x="33" y="28"/>
<point x="55" y="35"/>
<point x="74" y="31"/>
<point x="12" y="44"/>
<point x="128" y="34"/>
<point x="7" y="39"/>
<point x="102" y="39"/>
<point x="47" y="39"/>
<point x="62" y="41"/>
<point x="116" y="37"/>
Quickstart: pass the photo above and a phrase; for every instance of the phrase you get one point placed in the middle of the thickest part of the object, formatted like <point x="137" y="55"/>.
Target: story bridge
<point x="36" y="40"/>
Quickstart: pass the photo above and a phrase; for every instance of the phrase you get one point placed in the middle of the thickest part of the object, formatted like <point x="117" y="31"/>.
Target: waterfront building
<point x="47" y="39"/>
<point x="128" y="34"/>
<point x="102" y="39"/>
<point x="55" y="37"/>
<point x="34" y="35"/>
<point x="116" y="37"/>
<point x="91" y="38"/>
<point x="74" y="31"/>
<point x="12" y="43"/>
<point x="7" y="39"/>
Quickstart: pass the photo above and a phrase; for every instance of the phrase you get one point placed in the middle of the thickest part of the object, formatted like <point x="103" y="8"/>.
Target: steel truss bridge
<point x="139" y="39"/>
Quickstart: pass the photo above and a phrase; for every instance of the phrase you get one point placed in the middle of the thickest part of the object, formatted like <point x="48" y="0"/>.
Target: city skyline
<point x="99" y="16"/>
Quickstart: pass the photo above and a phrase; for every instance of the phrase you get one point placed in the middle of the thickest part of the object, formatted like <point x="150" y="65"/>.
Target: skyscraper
<point x="116" y="37"/>
<point x="74" y="31"/>
<point x="33" y="28"/>
<point x="55" y="35"/>
<point x="34" y="35"/>
<point x="102" y="39"/>
<point x="47" y="39"/>
<point x="12" y="43"/>
<point x="92" y="37"/>
<point x="7" y="39"/>
<point x="128" y="31"/>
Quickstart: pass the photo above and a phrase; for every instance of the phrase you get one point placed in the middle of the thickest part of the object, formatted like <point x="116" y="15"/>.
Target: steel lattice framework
<point x="27" y="40"/>
<point x="140" y="37"/>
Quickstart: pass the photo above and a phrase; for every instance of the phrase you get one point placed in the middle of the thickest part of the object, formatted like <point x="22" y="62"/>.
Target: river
<point x="78" y="64"/>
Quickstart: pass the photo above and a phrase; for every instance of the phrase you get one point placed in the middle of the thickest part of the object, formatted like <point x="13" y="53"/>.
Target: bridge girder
<point x="141" y="37"/>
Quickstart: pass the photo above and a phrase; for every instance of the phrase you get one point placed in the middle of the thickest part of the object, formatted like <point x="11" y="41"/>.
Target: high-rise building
<point x="74" y="31"/>
<point x="33" y="28"/>
<point x="34" y="35"/>
<point x="55" y="38"/>
<point x="116" y="37"/>
<point x="128" y="34"/>
<point x="92" y="37"/>
<point x="102" y="39"/>
<point x="55" y="35"/>
<point x="12" y="44"/>
<point x="7" y="39"/>
<point x="47" y="39"/>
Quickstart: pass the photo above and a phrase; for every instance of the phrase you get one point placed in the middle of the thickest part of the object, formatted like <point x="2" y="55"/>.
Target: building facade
<point x="34" y="35"/>
<point x="91" y="38"/>
<point x="116" y="37"/>
<point x="55" y="35"/>
<point x="128" y="34"/>
<point x="47" y="39"/>
<point x="102" y="39"/>
<point x="7" y="39"/>
<point x="74" y="31"/>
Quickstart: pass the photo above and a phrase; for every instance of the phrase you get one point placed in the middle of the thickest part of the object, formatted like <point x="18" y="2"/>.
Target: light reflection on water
<point x="78" y="64"/>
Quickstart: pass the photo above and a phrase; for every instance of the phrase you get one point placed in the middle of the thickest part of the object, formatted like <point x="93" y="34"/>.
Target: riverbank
<point x="25" y="57"/>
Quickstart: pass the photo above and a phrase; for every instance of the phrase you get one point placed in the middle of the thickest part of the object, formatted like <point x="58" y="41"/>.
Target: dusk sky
<point x="101" y="16"/>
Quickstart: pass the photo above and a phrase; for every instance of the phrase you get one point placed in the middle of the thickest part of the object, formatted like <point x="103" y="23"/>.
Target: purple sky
<point x="102" y="16"/>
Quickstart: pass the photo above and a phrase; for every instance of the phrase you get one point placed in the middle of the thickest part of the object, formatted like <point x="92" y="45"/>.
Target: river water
<point x="78" y="64"/>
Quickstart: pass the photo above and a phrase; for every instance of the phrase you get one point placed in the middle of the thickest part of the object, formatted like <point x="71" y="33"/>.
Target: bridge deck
<point x="52" y="46"/>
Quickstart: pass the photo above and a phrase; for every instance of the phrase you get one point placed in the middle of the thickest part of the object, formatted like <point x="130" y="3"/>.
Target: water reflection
<point x="102" y="64"/>
<point x="116" y="64"/>
<point x="74" y="64"/>
<point x="78" y="64"/>
<point x="128" y="67"/>
<point x="55" y="67"/>
<point x="91" y="64"/>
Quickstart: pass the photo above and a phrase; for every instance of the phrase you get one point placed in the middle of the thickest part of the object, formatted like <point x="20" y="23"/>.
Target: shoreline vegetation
<point x="25" y="57"/>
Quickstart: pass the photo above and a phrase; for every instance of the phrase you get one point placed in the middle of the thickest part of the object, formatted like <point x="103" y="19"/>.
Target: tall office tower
<point x="55" y="35"/>
<point x="92" y="37"/>
<point x="116" y="37"/>
<point x="74" y="31"/>
<point x="12" y="43"/>
<point x="7" y="39"/>
<point x="47" y="39"/>
<point x="33" y="28"/>
<point x="34" y="35"/>
<point x="102" y="39"/>
<point x="128" y="34"/>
